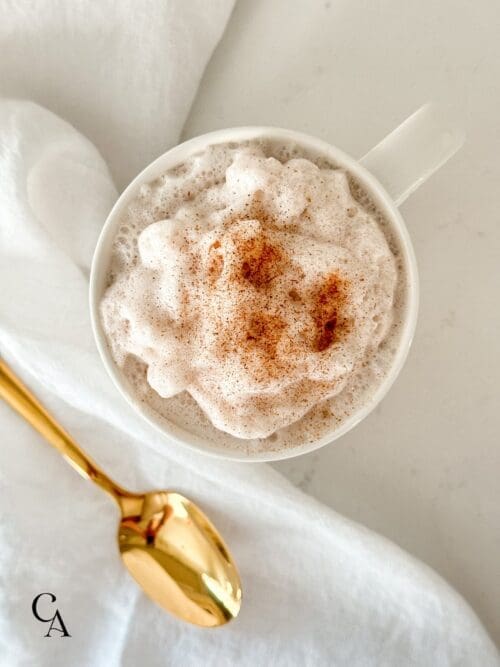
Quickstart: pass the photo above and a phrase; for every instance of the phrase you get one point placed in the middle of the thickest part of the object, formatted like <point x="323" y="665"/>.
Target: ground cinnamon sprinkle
<point x="262" y="332"/>
<point x="261" y="261"/>
<point x="215" y="264"/>
<point x="258" y="261"/>
<point x="329" y="302"/>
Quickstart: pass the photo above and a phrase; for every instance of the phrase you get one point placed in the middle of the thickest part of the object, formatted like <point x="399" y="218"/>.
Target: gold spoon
<point x="168" y="545"/>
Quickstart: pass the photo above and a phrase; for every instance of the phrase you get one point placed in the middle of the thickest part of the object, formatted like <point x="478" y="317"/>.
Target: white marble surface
<point x="424" y="468"/>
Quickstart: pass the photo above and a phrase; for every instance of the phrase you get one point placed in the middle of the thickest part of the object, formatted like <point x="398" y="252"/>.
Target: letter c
<point x="35" y="604"/>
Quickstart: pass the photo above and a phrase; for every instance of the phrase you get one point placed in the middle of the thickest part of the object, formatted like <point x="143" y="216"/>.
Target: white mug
<point x="390" y="172"/>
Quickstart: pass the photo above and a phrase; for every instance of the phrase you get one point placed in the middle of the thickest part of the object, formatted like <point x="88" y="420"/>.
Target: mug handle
<point x="414" y="151"/>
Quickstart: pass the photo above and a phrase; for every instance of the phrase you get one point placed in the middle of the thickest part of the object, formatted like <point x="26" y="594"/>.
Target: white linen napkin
<point x="318" y="589"/>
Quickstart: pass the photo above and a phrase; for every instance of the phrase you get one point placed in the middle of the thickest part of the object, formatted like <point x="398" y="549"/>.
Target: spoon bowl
<point x="178" y="558"/>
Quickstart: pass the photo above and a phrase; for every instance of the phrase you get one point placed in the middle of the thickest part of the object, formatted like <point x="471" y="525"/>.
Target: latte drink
<point x="255" y="296"/>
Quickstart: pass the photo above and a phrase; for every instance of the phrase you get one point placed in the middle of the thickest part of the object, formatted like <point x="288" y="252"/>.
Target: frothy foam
<point x="251" y="287"/>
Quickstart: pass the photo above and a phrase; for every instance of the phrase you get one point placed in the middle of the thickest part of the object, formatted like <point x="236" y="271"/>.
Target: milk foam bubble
<point x="253" y="293"/>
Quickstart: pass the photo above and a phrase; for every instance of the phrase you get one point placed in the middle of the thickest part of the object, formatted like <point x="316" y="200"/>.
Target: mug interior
<point x="177" y="155"/>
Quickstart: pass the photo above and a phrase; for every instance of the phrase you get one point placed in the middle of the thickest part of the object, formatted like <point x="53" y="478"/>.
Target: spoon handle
<point x="22" y="400"/>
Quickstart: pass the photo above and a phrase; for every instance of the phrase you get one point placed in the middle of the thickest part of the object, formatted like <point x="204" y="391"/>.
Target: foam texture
<point x="253" y="291"/>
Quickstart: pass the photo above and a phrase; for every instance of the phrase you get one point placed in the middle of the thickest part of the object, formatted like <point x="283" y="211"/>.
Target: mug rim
<point x="173" y="157"/>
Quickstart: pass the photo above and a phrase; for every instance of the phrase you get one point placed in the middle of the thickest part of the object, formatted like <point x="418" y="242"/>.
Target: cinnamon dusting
<point x="215" y="264"/>
<point x="263" y="332"/>
<point x="261" y="261"/>
<point x="329" y="302"/>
